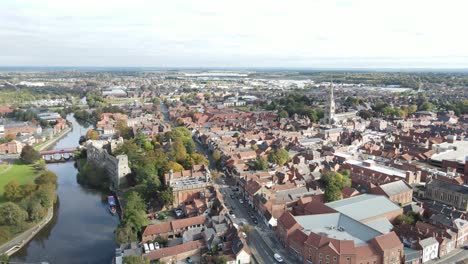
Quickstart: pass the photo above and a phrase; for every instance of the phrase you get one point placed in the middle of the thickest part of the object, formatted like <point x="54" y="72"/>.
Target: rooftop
<point x="451" y="151"/>
<point x="337" y="226"/>
<point x="364" y="206"/>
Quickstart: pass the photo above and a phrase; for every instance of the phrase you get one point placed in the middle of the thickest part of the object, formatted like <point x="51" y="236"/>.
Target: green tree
<point x="125" y="234"/>
<point x="12" y="191"/>
<point x="135" y="260"/>
<point x="261" y="164"/>
<point x="28" y="189"/>
<point x="48" y="177"/>
<point x="12" y="214"/>
<point x="283" y="114"/>
<point x="178" y="152"/>
<point x="167" y="197"/>
<point x="333" y="191"/>
<point x="30" y="155"/>
<point x="280" y="156"/>
<point x="174" y="166"/>
<point x="199" y="159"/>
<point x="123" y="129"/>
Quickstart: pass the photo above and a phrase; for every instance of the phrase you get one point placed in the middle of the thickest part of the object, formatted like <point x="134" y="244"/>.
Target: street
<point x="260" y="238"/>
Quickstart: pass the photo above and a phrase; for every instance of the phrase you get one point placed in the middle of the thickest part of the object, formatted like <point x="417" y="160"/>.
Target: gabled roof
<point x="396" y="187"/>
<point x="388" y="241"/>
<point x="287" y="220"/>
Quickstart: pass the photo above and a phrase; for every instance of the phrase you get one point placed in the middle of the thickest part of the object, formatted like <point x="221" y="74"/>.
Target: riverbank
<point x="15" y="244"/>
<point x="51" y="141"/>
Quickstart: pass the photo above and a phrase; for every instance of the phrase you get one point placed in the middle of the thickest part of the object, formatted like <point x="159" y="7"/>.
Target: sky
<point x="225" y="33"/>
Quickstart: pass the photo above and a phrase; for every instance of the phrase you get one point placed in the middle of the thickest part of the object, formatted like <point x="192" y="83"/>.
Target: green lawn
<point x="20" y="172"/>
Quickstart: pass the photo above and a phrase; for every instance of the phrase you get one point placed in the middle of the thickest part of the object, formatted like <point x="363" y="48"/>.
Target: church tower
<point x="330" y="110"/>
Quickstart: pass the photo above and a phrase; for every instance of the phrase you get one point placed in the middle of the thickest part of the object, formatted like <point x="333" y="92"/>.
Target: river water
<point x="81" y="230"/>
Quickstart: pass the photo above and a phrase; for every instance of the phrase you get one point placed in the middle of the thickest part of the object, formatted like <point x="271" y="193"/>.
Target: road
<point x="260" y="239"/>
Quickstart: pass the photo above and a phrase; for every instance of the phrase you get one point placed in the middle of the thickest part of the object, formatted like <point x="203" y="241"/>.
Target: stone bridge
<point x="57" y="155"/>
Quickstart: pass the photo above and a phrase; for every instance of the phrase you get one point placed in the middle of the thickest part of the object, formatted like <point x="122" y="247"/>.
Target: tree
<point x="28" y="189"/>
<point x="30" y="155"/>
<point x="135" y="260"/>
<point x="123" y="129"/>
<point x="12" y="214"/>
<point x="283" y="114"/>
<point x="333" y="191"/>
<point x="220" y="260"/>
<point x="178" y="152"/>
<point x="92" y="134"/>
<point x="237" y="134"/>
<point x="167" y="197"/>
<point x="125" y="234"/>
<point x="34" y="209"/>
<point x="260" y="164"/>
<point x="279" y="157"/>
<point x="335" y="182"/>
<point x="174" y="166"/>
<point x="199" y="159"/>
<point x="216" y="156"/>
<point x="47" y="177"/>
<point x="12" y="191"/>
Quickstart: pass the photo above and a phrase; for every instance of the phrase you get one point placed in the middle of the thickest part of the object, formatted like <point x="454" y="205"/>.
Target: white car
<point x="233" y="216"/>
<point x="278" y="257"/>
<point x="241" y="201"/>
<point x="151" y="246"/>
<point x="146" y="248"/>
<point x="156" y="245"/>
<point x="244" y="234"/>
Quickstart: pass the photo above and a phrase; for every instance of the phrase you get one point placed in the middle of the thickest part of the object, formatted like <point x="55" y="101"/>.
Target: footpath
<point x="10" y="247"/>
<point x="54" y="139"/>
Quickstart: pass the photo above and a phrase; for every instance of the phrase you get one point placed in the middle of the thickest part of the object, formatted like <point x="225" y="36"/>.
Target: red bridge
<point x="57" y="151"/>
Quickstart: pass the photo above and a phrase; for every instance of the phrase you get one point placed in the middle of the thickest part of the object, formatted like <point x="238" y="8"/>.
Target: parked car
<point x="188" y="260"/>
<point x="255" y="221"/>
<point x="146" y="248"/>
<point x="278" y="257"/>
<point x="156" y="245"/>
<point x="241" y="201"/>
<point x="151" y="246"/>
<point x="244" y="234"/>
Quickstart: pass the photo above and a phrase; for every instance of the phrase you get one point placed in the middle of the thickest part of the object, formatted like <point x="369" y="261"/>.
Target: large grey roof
<point x="364" y="206"/>
<point x="381" y="224"/>
<point x="395" y="187"/>
<point x="329" y="225"/>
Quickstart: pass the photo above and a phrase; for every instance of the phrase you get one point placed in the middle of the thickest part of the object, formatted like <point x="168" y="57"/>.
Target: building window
<point x="327" y="257"/>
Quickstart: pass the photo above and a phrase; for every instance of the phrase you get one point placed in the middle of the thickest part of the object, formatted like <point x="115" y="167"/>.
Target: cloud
<point x="239" y="33"/>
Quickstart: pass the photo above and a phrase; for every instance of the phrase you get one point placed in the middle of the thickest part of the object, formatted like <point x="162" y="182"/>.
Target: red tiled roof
<point x="171" y="251"/>
<point x="287" y="220"/>
<point x="388" y="241"/>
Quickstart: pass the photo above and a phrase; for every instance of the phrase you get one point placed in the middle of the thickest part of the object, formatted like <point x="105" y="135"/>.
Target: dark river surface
<point x="81" y="230"/>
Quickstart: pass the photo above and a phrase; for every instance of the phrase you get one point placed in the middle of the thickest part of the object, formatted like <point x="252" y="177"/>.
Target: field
<point x="22" y="173"/>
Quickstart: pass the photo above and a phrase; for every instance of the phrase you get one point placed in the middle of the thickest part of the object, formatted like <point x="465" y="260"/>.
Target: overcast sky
<point x="222" y="33"/>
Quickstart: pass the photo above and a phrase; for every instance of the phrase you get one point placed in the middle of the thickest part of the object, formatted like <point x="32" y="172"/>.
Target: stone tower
<point x="330" y="110"/>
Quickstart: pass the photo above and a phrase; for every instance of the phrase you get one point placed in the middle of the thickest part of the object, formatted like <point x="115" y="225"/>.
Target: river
<point x="81" y="230"/>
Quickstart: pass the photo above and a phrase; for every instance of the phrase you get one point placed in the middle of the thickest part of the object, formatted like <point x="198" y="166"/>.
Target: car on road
<point x="252" y="215"/>
<point x="231" y="212"/>
<point x="233" y="196"/>
<point x="278" y="257"/>
<point x="465" y="247"/>
<point x="244" y="234"/>
<point x="223" y="181"/>
<point x="233" y="216"/>
<point x="189" y="260"/>
<point x="255" y="221"/>
<point x="241" y="201"/>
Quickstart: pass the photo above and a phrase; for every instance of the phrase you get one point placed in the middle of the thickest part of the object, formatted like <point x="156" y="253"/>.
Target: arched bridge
<point x="56" y="155"/>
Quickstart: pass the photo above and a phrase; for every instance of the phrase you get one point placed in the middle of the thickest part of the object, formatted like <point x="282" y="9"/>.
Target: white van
<point x="151" y="246"/>
<point x="146" y="248"/>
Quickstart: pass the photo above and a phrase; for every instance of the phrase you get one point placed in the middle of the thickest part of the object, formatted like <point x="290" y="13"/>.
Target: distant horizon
<point x="258" y="69"/>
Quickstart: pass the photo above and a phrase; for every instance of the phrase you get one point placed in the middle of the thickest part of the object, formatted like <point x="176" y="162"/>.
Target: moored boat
<point x="111" y="202"/>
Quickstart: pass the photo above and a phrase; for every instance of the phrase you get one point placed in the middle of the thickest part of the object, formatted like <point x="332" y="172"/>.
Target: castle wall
<point x="116" y="167"/>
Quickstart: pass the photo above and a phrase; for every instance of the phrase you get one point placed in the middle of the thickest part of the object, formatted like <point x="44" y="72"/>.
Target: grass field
<point x="22" y="173"/>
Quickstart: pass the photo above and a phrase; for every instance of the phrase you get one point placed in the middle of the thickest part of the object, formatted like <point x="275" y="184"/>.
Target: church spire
<point x="330" y="113"/>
